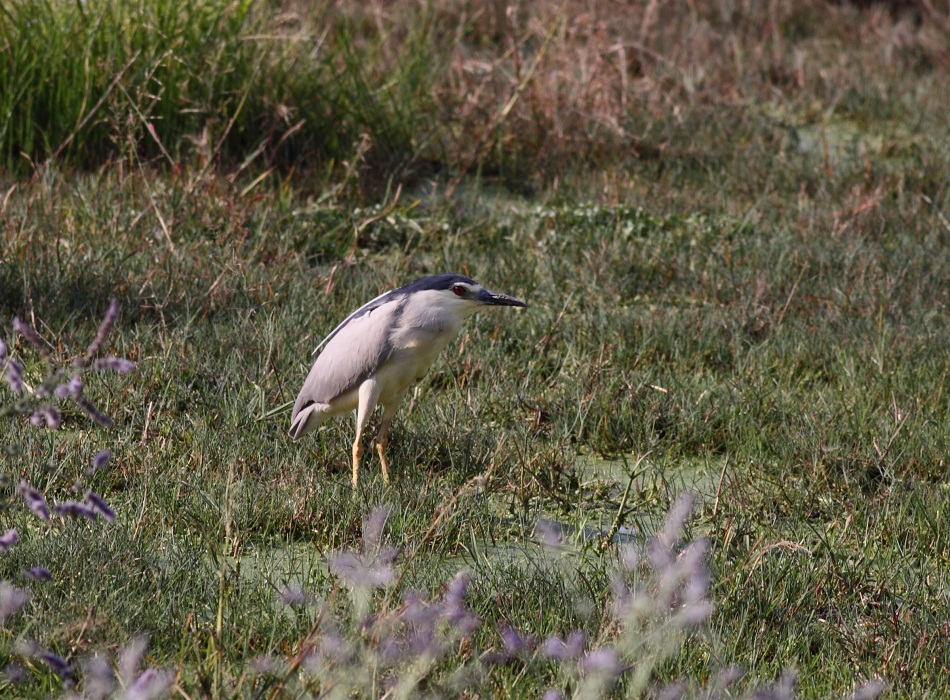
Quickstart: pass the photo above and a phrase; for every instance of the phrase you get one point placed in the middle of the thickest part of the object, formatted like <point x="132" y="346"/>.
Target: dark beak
<point x="489" y="298"/>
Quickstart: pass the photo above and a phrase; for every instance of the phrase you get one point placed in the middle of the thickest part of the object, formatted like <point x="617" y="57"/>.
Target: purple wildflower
<point x="3" y="352"/>
<point x="676" y="519"/>
<point x="14" y="376"/>
<point x="294" y="595"/>
<point x="11" y="599"/>
<point x="331" y="647"/>
<point x="672" y="691"/>
<point x="25" y="330"/>
<point x="684" y="585"/>
<point x="266" y="665"/>
<point x="725" y="679"/>
<point x="456" y="612"/>
<point x="692" y="567"/>
<point x="552" y="694"/>
<point x="129" y="659"/>
<point x="37" y="573"/>
<point x="34" y="500"/>
<point x="94" y="413"/>
<point x="14" y="672"/>
<point x="75" y="509"/>
<point x="602" y="662"/>
<point x="362" y="571"/>
<point x="782" y="689"/>
<point x="59" y="665"/>
<point x="694" y="614"/>
<point x="99" y="461"/>
<point x="69" y="389"/>
<point x="659" y="554"/>
<point x="27" y="646"/>
<point x="422" y="620"/>
<point x="372" y="568"/>
<point x="550" y="534"/>
<point x="456" y="590"/>
<point x="373" y="525"/>
<point x="46" y="417"/>
<point x="8" y="539"/>
<point x="97" y="679"/>
<point x="514" y="643"/>
<point x="564" y="649"/>
<point x="100" y="506"/>
<point x="869" y="689"/>
<point x="119" y="365"/>
<point x="433" y="627"/>
<point x="151" y="683"/>
<point x="112" y="313"/>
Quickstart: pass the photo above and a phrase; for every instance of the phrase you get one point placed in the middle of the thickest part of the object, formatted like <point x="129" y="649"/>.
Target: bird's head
<point x="462" y="295"/>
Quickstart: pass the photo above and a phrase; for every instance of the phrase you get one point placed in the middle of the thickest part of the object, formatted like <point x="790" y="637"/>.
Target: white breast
<point x="413" y="352"/>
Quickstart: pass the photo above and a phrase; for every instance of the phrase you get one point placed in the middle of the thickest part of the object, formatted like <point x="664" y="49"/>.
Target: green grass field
<point x="731" y="224"/>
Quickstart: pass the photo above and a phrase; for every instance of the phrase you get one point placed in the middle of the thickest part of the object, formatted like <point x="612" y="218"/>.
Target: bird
<point x="380" y="350"/>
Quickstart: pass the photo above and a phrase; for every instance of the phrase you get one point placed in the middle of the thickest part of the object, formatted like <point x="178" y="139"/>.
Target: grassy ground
<point x="731" y="226"/>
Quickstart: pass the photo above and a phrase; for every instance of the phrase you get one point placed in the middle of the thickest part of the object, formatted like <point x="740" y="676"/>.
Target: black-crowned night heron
<point x="382" y="349"/>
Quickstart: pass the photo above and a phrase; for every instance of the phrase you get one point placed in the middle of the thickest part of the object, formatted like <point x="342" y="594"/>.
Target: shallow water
<point x="639" y="476"/>
<point x="301" y="566"/>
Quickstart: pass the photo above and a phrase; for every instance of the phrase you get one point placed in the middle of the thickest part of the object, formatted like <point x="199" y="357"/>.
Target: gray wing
<point x="351" y="353"/>
<point x="364" y="309"/>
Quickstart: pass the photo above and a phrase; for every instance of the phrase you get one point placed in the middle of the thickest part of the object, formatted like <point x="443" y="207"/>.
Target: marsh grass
<point x="526" y="95"/>
<point x="208" y="81"/>
<point x="816" y="412"/>
<point x="737" y="265"/>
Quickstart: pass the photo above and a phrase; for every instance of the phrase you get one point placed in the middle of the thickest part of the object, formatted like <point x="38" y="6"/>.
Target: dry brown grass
<point x="534" y="87"/>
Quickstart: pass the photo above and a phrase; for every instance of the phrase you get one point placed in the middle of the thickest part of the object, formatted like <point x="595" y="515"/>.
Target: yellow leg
<point x="369" y="393"/>
<point x="382" y="442"/>
<point x="357" y="453"/>
<point x="382" y="439"/>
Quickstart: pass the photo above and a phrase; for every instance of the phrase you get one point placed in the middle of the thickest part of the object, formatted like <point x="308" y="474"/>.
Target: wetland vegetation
<point x="710" y="459"/>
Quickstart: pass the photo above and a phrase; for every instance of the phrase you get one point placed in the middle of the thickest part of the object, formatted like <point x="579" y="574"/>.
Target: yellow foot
<point x="381" y="449"/>
<point x="357" y="453"/>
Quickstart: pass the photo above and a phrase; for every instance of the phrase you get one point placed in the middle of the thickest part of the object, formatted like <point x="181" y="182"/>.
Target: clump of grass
<point x="206" y="82"/>
<point x="114" y="79"/>
<point x="539" y="95"/>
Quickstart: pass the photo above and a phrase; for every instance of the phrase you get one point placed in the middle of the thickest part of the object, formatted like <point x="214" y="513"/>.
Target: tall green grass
<point x="209" y="80"/>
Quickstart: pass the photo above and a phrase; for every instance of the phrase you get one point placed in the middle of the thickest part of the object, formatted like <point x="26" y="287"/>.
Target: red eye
<point x="459" y="290"/>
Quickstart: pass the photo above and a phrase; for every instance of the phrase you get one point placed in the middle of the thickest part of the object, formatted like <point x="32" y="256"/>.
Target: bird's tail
<point x="306" y="419"/>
